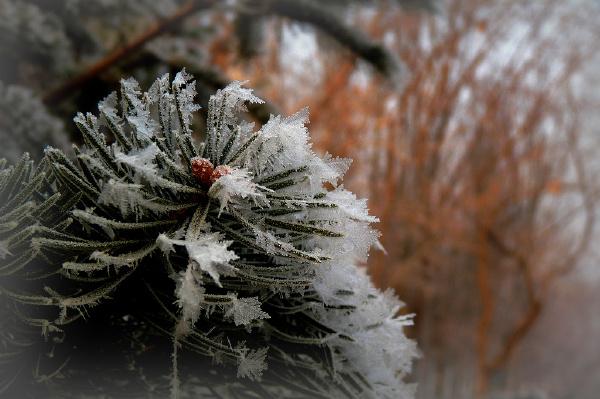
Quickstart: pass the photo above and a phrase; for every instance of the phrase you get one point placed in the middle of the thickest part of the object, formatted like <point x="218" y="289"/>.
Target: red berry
<point x="219" y="171"/>
<point x="202" y="170"/>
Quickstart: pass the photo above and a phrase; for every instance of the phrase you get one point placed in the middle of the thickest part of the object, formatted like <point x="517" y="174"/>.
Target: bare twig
<point x="530" y="316"/>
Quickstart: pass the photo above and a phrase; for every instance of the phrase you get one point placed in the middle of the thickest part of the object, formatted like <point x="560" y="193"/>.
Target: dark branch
<point x="325" y="20"/>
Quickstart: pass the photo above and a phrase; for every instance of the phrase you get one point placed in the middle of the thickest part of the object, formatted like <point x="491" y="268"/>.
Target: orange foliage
<point x="464" y="165"/>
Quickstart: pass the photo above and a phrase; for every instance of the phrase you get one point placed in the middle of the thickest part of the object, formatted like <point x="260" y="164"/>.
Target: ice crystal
<point x="209" y="253"/>
<point x="189" y="293"/>
<point x="127" y="197"/>
<point x="252" y="364"/>
<point x="235" y="185"/>
<point x="245" y="310"/>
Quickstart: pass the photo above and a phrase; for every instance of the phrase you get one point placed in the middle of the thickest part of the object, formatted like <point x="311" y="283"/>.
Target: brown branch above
<point x="64" y="90"/>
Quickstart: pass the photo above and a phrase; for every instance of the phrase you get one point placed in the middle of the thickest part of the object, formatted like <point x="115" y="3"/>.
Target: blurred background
<point x="474" y="126"/>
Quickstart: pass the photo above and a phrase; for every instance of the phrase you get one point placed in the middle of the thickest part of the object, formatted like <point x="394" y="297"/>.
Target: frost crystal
<point x="209" y="253"/>
<point x="165" y="244"/>
<point x="252" y="364"/>
<point x="212" y="256"/>
<point x="4" y="252"/>
<point x="141" y="160"/>
<point x="235" y="185"/>
<point x="189" y="293"/>
<point x="127" y="197"/>
<point x="245" y="310"/>
<point x="137" y="111"/>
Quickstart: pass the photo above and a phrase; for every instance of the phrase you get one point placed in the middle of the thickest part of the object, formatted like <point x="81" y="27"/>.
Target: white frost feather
<point x="246" y="310"/>
<point x="238" y="185"/>
<point x="127" y="197"/>
<point x="209" y="253"/>
<point x="252" y="364"/>
<point x="142" y="160"/>
<point x="189" y="293"/>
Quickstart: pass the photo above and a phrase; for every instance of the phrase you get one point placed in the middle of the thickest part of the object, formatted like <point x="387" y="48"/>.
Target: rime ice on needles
<point x="142" y="161"/>
<point x="184" y="96"/>
<point x="259" y="248"/>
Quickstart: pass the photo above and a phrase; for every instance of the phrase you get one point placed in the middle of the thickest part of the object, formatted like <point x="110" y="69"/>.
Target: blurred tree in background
<point x="473" y="125"/>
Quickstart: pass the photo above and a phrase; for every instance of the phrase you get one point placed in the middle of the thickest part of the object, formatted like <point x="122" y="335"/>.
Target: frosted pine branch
<point x="236" y="238"/>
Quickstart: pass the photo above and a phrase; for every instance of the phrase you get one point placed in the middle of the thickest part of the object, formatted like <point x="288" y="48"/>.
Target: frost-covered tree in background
<point x="247" y="245"/>
<point x="24" y="130"/>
